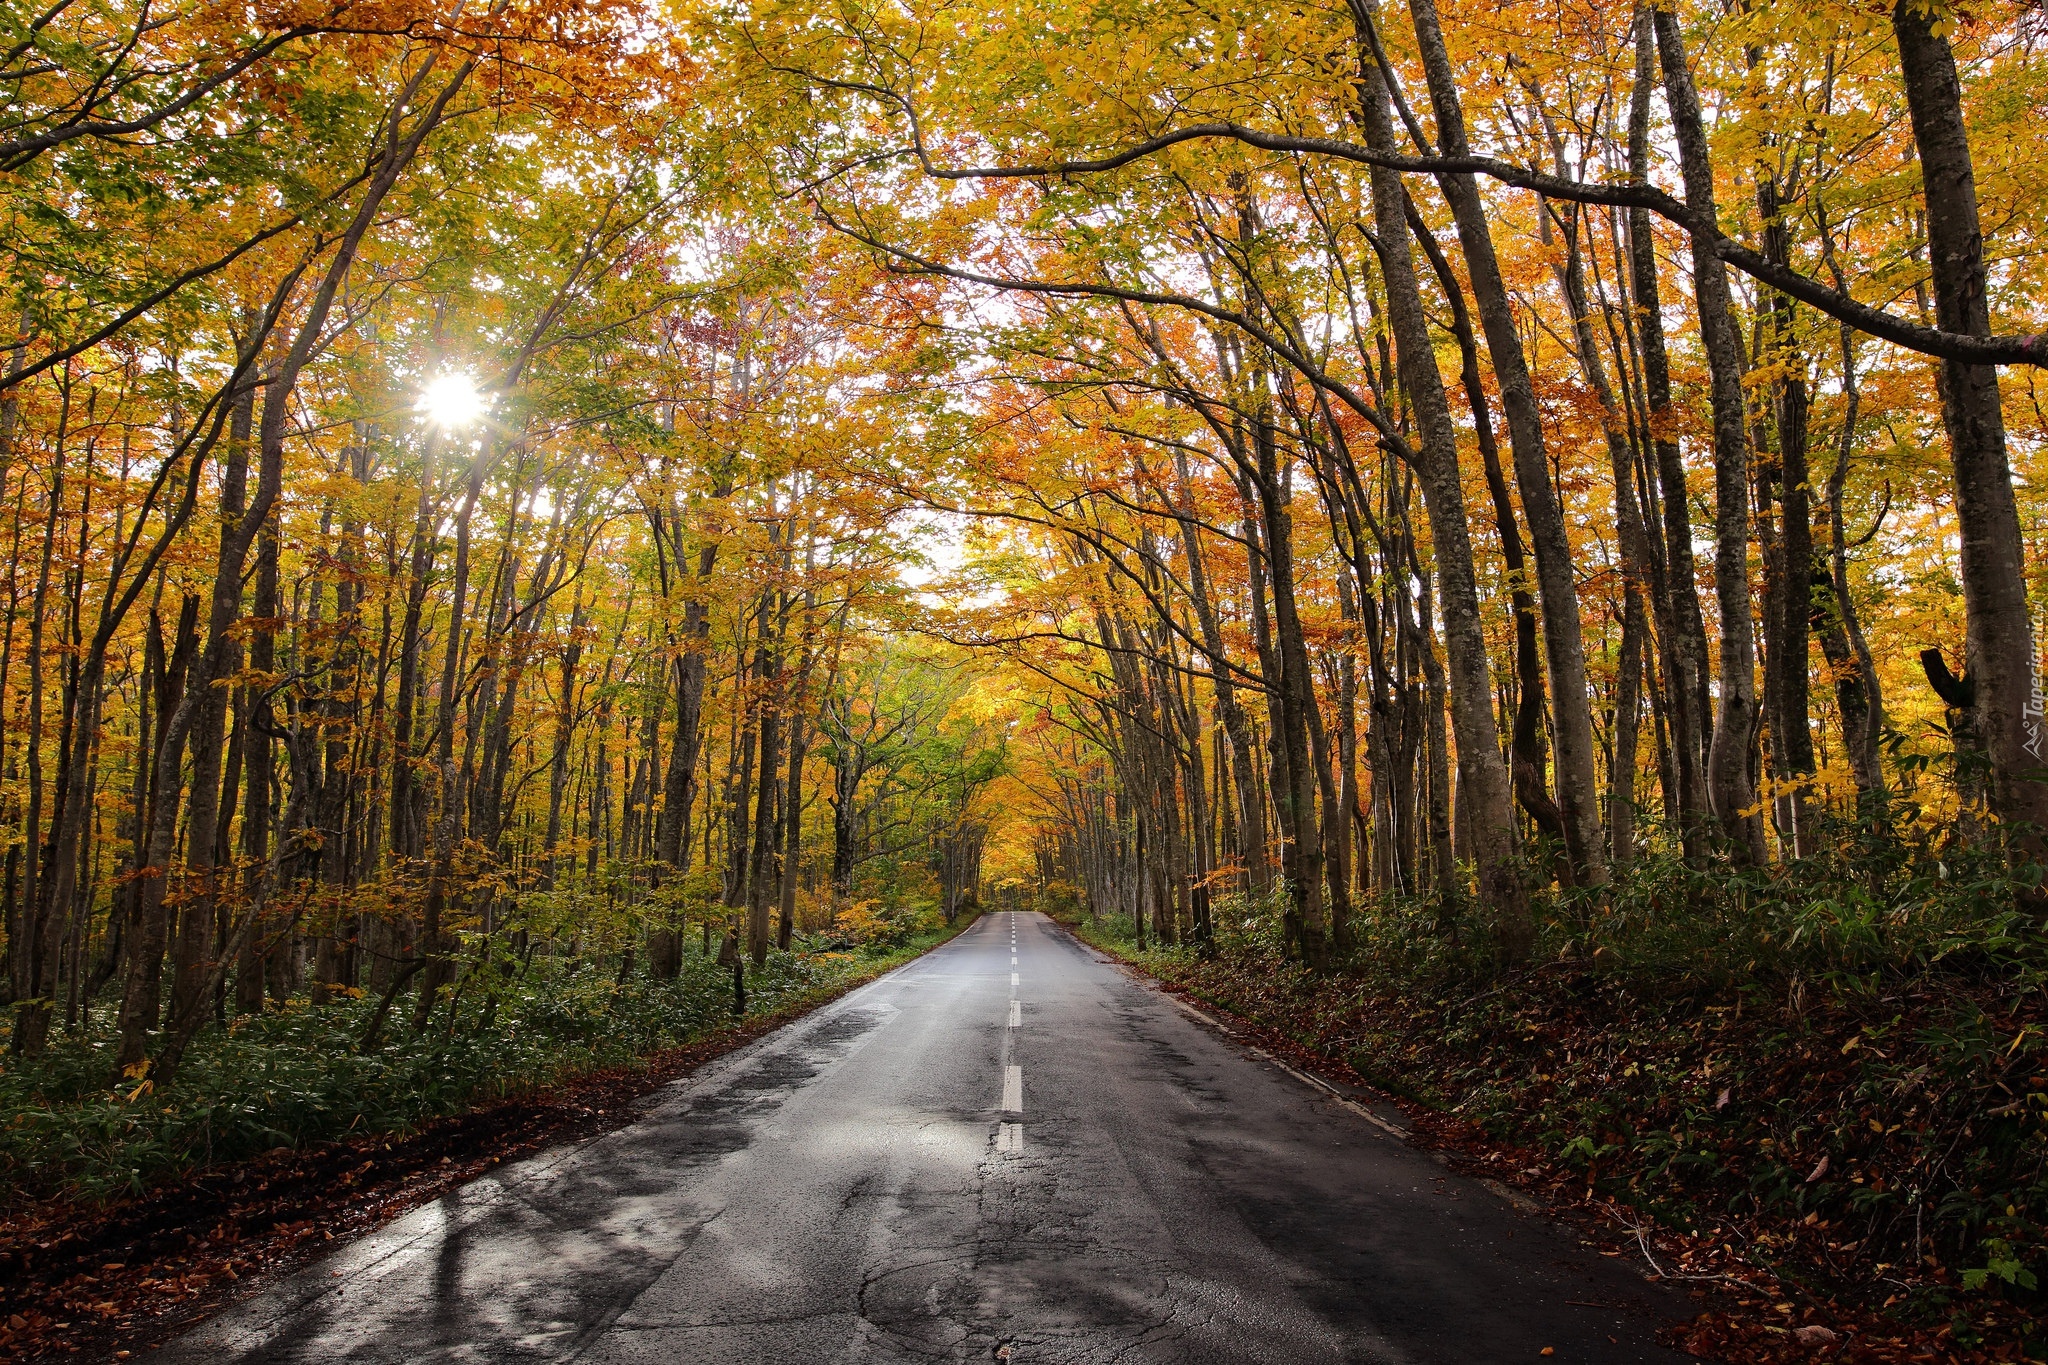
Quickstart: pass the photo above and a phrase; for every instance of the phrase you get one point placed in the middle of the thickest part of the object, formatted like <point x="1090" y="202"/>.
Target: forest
<point x="1496" y="541"/>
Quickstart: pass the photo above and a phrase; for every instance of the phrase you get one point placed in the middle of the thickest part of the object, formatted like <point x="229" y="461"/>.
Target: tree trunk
<point x="1999" y="654"/>
<point x="1859" y="697"/>
<point x="1483" y="780"/>
<point x="1789" y="587"/>
<point x="1682" y="626"/>
<point x="1729" y="783"/>
<point x="793" y="791"/>
<point x="1578" y="792"/>
<point x="761" y="882"/>
<point x="1526" y="744"/>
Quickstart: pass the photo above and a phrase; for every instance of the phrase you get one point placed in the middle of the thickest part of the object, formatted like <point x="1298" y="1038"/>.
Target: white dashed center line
<point x="1013" y="1090"/>
<point x="1016" y="1014"/>
<point x="1010" y="1139"/>
<point x="1013" y="981"/>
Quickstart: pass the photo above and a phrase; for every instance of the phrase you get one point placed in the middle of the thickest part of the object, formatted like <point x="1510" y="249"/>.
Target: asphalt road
<point x="1009" y="1145"/>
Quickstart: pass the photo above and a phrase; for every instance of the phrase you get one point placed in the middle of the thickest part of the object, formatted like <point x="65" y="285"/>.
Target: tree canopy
<point x="494" y="489"/>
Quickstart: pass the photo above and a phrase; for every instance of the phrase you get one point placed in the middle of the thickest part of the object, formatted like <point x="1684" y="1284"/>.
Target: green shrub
<point x="301" y="1075"/>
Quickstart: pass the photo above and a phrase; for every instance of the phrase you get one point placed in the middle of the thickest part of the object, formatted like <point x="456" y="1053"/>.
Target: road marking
<point x="1013" y="1090"/>
<point x="1013" y="959"/>
<point x="1010" y="1139"/>
<point x="1016" y="1014"/>
<point x="1013" y="981"/>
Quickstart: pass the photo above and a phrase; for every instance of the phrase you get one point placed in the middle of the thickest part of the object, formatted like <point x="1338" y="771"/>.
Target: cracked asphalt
<point x="923" y="1172"/>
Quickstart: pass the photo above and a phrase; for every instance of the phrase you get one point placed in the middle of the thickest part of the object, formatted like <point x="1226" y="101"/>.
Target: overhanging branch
<point x="2012" y="349"/>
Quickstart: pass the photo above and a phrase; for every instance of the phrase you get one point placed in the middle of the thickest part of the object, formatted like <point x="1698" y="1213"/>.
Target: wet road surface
<point x="1008" y="1149"/>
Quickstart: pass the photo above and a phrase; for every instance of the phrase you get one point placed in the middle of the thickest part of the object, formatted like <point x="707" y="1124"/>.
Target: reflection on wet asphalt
<point x="961" y="1157"/>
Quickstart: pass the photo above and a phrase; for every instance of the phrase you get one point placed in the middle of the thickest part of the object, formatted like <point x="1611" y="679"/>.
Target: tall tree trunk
<point x="1789" y="589"/>
<point x="1999" y="657"/>
<point x="793" y="791"/>
<point x="1630" y="530"/>
<point x="259" y="792"/>
<point x="1236" y="726"/>
<point x="760" y="880"/>
<point x="32" y="1008"/>
<point x="435" y="942"/>
<point x="1729" y="782"/>
<point x="564" y="736"/>
<point x="191" y="954"/>
<point x="1483" y="779"/>
<point x="1578" y="792"/>
<point x="1859" y="697"/>
<point x="1294" y="786"/>
<point x="1526" y="745"/>
<point x="1682" y="627"/>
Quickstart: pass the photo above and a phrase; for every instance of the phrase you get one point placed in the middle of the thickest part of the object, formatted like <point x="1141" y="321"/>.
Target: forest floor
<point x="1537" y="1097"/>
<point x="108" y="1279"/>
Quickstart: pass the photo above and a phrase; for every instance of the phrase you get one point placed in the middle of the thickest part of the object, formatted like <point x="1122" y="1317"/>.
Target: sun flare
<point x="452" y="401"/>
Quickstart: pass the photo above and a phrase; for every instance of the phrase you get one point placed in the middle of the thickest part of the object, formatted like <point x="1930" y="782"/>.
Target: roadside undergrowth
<point x="1853" y="1154"/>
<point x="134" y="1215"/>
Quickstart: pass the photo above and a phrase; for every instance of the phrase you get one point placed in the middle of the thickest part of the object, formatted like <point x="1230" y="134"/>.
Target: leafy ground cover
<point x="1846" y="1146"/>
<point x="133" y="1215"/>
